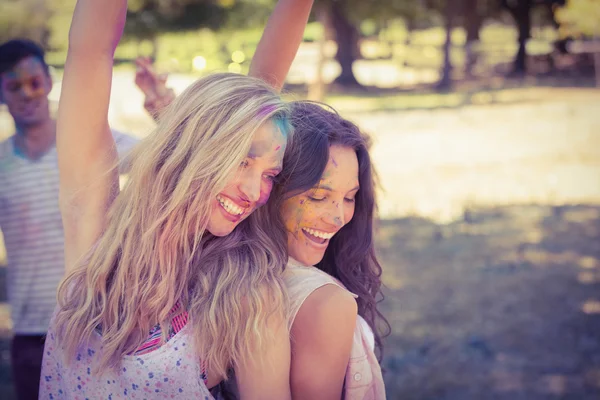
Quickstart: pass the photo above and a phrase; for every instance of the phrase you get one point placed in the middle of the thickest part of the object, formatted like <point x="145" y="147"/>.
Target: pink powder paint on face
<point x="264" y="195"/>
<point x="277" y="148"/>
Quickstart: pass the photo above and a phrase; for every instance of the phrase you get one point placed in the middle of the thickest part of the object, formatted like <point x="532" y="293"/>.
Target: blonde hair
<point x="156" y="251"/>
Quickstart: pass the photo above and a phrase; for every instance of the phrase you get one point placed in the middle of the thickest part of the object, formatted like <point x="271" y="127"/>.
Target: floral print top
<point x="171" y="371"/>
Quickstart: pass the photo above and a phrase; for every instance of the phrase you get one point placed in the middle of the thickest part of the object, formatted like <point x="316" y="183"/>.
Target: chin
<point x="219" y="232"/>
<point x="310" y="259"/>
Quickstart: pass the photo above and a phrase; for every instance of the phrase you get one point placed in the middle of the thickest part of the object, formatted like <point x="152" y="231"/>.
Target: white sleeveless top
<point x="363" y="380"/>
<point x="297" y="298"/>
<point x="172" y="371"/>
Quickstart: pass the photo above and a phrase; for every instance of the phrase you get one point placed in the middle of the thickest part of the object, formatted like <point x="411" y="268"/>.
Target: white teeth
<point x="229" y="206"/>
<point x="319" y="234"/>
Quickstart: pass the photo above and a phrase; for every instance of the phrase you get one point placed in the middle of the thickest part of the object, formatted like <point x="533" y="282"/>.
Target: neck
<point x="34" y="141"/>
<point x="297" y="263"/>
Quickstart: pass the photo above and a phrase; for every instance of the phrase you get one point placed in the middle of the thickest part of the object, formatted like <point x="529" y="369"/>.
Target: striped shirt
<point x="154" y="339"/>
<point x="33" y="234"/>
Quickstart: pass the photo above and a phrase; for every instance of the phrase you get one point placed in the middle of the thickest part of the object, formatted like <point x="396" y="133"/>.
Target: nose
<point x="334" y="215"/>
<point x="250" y="187"/>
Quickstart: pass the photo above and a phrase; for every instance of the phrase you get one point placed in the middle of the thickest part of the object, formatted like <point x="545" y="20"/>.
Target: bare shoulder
<point x="321" y="342"/>
<point x="327" y="312"/>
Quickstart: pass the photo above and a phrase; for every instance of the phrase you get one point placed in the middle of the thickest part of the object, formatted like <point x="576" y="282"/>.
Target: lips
<point x="230" y="206"/>
<point x="30" y="108"/>
<point x="317" y="236"/>
<point x="231" y="210"/>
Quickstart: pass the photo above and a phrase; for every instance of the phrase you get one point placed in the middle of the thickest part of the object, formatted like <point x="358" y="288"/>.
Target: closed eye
<point x="273" y="173"/>
<point x="271" y="177"/>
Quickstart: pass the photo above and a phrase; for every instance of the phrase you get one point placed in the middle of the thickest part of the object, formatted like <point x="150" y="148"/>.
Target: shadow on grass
<point x="504" y="304"/>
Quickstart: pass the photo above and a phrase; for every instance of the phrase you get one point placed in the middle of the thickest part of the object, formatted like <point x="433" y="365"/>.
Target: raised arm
<point x="272" y="60"/>
<point x="86" y="148"/>
<point x="280" y="41"/>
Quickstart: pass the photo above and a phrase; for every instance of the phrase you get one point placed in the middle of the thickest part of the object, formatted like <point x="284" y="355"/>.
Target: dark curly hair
<point x="350" y="256"/>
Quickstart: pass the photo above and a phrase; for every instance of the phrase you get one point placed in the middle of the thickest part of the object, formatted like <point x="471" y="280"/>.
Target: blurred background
<point x="485" y="116"/>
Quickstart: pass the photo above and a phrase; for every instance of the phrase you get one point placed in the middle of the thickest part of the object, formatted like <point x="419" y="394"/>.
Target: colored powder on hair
<point x="266" y="110"/>
<point x="282" y="125"/>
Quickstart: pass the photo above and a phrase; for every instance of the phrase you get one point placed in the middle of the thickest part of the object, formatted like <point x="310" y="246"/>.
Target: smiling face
<point x="312" y="218"/>
<point x="25" y="89"/>
<point x="251" y="186"/>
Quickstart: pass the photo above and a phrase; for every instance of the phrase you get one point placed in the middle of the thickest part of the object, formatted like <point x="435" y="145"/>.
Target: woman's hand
<point x="154" y="86"/>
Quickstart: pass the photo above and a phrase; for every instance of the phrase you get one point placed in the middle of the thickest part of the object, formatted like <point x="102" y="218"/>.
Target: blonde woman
<point x="175" y="279"/>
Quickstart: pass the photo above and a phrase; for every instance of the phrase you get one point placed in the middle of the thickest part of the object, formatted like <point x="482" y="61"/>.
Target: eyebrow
<point x="329" y="189"/>
<point x="258" y="149"/>
<point x="277" y="168"/>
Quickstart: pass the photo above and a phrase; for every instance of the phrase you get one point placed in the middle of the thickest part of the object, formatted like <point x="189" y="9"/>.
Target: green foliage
<point x="148" y="18"/>
<point x="18" y="20"/>
<point x="579" y="17"/>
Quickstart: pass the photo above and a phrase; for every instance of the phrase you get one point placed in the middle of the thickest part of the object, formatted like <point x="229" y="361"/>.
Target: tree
<point x="344" y="18"/>
<point x="449" y="15"/>
<point x="580" y="18"/>
<point x="347" y="38"/>
<point x="146" y="19"/>
<point x="521" y="10"/>
<point x="469" y="14"/>
<point x="17" y="19"/>
<point x="473" y="15"/>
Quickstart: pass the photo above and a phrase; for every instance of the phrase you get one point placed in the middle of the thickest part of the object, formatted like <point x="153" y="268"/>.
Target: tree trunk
<point x="446" y="82"/>
<point x="597" y="61"/>
<point x="154" y="54"/>
<point x="521" y="12"/>
<point x="346" y="36"/>
<point x="316" y="90"/>
<point x="472" y="24"/>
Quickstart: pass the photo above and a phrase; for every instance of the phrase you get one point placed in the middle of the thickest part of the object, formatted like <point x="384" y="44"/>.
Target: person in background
<point x="30" y="218"/>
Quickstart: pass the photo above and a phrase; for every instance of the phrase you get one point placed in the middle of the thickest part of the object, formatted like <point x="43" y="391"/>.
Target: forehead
<point x="267" y="141"/>
<point x="27" y="67"/>
<point x="341" y="172"/>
